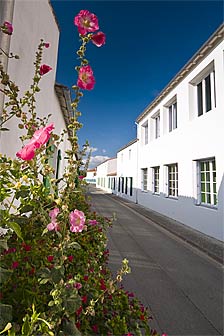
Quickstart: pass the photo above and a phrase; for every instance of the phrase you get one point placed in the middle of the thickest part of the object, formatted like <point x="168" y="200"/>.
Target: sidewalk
<point x="211" y="246"/>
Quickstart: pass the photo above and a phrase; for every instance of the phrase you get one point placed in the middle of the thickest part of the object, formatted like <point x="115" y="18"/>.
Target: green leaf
<point x="22" y="193"/>
<point x="51" y="303"/>
<point x="15" y="227"/>
<point x="74" y="245"/>
<point x="26" y="208"/>
<point x="26" y="328"/>
<point x="3" y="129"/>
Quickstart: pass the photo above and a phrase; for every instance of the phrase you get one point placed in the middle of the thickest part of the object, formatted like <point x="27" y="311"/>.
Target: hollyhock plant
<point x="39" y="138"/>
<point x="77" y="221"/>
<point x="86" y="79"/>
<point x="99" y="39"/>
<point x="7" y="28"/>
<point x="44" y="68"/>
<point x="86" y="22"/>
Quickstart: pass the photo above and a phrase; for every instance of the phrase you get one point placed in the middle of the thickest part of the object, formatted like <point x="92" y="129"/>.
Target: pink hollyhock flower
<point x="92" y="222"/>
<point x="81" y="177"/>
<point x="86" y="79"/>
<point x="7" y="28"/>
<point x="26" y="247"/>
<point x="86" y="22"/>
<point x="44" y="68"/>
<point x="50" y="258"/>
<point x="99" y="39"/>
<point x="47" y="45"/>
<point x="78" y="285"/>
<point x="84" y="299"/>
<point x="77" y="221"/>
<point x="27" y="152"/>
<point x="53" y="225"/>
<point x="70" y="258"/>
<point x="15" y="264"/>
<point x="40" y="137"/>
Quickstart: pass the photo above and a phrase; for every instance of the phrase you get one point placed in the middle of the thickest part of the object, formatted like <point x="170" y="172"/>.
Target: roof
<point x="64" y="97"/>
<point x="127" y="145"/>
<point x="206" y="48"/>
<point x="112" y="174"/>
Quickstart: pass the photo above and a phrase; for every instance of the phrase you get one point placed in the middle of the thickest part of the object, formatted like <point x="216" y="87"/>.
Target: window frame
<point x="172" y="184"/>
<point x="144" y="177"/>
<point x="155" y="180"/>
<point x="145" y="133"/>
<point x="172" y="115"/>
<point x="206" y="95"/>
<point x="209" y="180"/>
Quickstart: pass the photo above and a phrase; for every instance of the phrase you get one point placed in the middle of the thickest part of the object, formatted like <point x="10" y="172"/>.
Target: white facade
<point x="91" y="176"/>
<point x="32" y="21"/>
<point x="180" y="154"/>
<point x="127" y="171"/>
<point x="106" y="173"/>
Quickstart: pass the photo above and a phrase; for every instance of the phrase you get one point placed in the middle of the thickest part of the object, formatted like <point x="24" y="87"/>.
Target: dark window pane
<point x="208" y="93"/>
<point x="200" y="104"/>
<point x="175" y="115"/>
<point x="170" y="119"/>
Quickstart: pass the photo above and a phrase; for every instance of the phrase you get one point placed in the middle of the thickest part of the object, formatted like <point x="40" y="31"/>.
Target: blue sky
<point x="147" y="43"/>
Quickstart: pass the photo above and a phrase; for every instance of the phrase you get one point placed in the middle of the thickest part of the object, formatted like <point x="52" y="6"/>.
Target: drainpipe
<point x="6" y="14"/>
<point x="136" y="194"/>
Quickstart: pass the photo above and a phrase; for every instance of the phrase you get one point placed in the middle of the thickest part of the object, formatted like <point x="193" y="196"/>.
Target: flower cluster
<point x="88" y="23"/>
<point x="76" y="219"/>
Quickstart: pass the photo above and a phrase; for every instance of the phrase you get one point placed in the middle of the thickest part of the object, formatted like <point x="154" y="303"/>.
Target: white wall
<point x="104" y="181"/>
<point x="33" y="20"/>
<point x="195" y="138"/>
<point x="127" y="167"/>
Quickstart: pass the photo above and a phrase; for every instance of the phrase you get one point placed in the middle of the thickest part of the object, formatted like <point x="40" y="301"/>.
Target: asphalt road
<point x="181" y="285"/>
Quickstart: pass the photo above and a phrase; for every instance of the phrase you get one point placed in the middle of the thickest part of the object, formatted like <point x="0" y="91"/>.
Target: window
<point x="172" y="116"/>
<point x="206" y="94"/>
<point x="144" y="179"/>
<point x="131" y="186"/>
<point x="207" y="182"/>
<point x="122" y="185"/>
<point x="145" y="133"/>
<point x="126" y="185"/>
<point x="173" y="180"/>
<point x="119" y="184"/>
<point x="155" y="180"/>
<point x="157" y="126"/>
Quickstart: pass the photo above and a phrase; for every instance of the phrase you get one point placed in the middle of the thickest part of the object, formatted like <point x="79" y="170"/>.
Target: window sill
<point x="156" y="194"/>
<point x="208" y="206"/>
<point x="172" y="197"/>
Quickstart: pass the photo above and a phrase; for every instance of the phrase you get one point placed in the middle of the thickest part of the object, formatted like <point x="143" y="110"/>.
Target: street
<point x="181" y="285"/>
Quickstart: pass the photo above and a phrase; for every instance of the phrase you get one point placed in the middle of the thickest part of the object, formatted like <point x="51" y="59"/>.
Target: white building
<point x="91" y="176"/>
<point x="180" y="154"/>
<point x="127" y="168"/>
<point x="32" y="21"/>
<point x="106" y="173"/>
